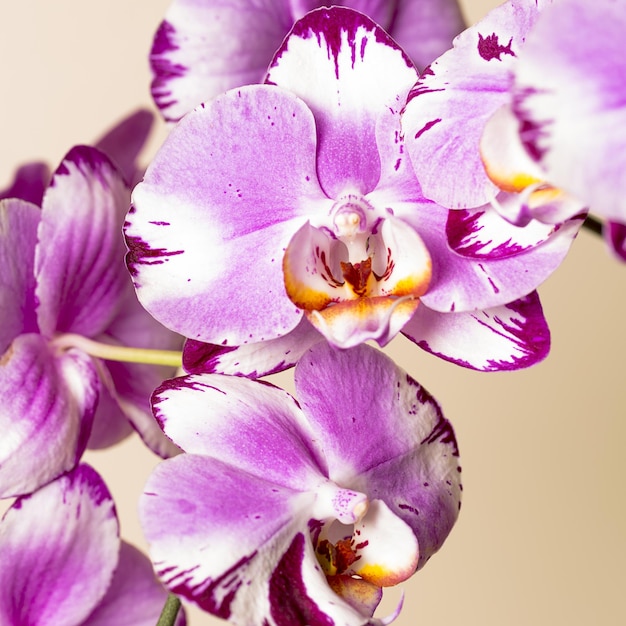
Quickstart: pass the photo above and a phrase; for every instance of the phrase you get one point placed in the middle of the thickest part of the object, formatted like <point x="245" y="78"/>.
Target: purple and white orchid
<point x="286" y="512"/>
<point x="463" y="136"/>
<point x="568" y="96"/>
<point x="205" y="47"/>
<point x="63" y="282"/>
<point x="276" y="214"/>
<point x="72" y="569"/>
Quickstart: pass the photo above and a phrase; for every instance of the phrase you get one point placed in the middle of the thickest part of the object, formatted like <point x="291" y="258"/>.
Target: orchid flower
<point x="278" y="214"/>
<point x="63" y="284"/>
<point x="205" y="47"/>
<point x="72" y="569"/>
<point x="287" y="512"/>
<point x="459" y="116"/>
<point x="568" y="97"/>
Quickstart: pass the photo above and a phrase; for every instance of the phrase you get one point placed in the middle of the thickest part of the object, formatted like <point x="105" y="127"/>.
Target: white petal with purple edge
<point x="508" y="337"/>
<point x="212" y="548"/>
<point x="348" y="71"/>
<point x="59" y="550"/>
<point x="202" y="49"/>
<point x="46" y="410"/>
<point x="254" y="359"/>
<point x="208" y="229"/>
<point x="569" y="94"/>
<point x="79" y="261"/>
<point x="18" y="237"/>
<point x="253" y="426"/>
<point x="463" y="284"/>
<point x="449" y="106"/>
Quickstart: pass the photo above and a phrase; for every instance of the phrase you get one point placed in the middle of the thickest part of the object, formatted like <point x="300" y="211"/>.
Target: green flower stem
<point x="110" y="352"/>
<point x="170" y="611"/>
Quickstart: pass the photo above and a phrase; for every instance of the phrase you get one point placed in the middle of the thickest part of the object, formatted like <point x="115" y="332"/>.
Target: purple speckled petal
<point x="483" y="233"/>
<point x="508" y="337"/>
<point x="463" y="284"/>
<point x="134" y="597"/>
<point x="203" y="48"/>
<point x="449" y="106"/>
<point x="223" y="534"/>
<point x="254" y="359"/>
<point x="385" y="437"/>
<point x="79" y="261"/>
<point x="228" y="417"/>
<point x="29" y="183"/>
<point x="18" y="237"/>
<point x="348" y="71"/>
<point x="57" y="571"/>
<point x="46" y="410"/>
<point x="569" y="94"/>
<point x="217" y="208"/>
<point x="123" y="143"/>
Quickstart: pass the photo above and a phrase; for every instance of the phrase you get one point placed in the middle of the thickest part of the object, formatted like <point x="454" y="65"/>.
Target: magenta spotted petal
<point x="368" y="470"/>
<point x="450" y="105"/>
<point x="205" y="47"/>
<point x="569" y="96"/>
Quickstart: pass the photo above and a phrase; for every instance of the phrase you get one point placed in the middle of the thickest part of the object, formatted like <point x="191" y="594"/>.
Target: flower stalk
<point x="170" y="611"/>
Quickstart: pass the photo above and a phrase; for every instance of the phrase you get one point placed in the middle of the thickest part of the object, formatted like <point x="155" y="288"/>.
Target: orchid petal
<point x="29" y="183"/>
<point x="424" y="28"/>
<point x="202" y="49"/>
<point x="300" y="594"/>
<point x="389" y="439"/>
<point x="448" y="108"/>
<point x="244" y="536"/>
<point x="358" y="593"/>
<point x="350" y="323"/>
<point x="386" y="548"/>
<point x="231" y="223"/>
<point x="130" y="385"/>
<point x="348" y="71"/>
<point x="463" y="284"/>
<point x="253" y="360"/>
<point x="508" y="337"/>
<point x="134" y="597"/>
<point x="46" y="411"/>
<point x="59" y="550"/>
<point x="228" y="417"/>
<point x="569" y="96"/>
<point x="615" y="236"/>
<point x="483" y="233"/>
<point x="79" y="262"/>
<point x="18" y="237"/>
<point x="123" y="143"/>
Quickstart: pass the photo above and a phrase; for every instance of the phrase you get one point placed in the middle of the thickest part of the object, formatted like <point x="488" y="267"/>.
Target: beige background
<point x="541" y="538"/>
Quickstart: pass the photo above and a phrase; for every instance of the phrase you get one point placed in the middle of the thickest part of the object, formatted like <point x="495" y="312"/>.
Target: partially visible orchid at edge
<point x="476" y="146"/>
<point x="275" y="216"/>
<point x="350" y="488"/>
<point x="73" y="569"/>
<point x="205" y="47"/>
<point x="63" y="285"/>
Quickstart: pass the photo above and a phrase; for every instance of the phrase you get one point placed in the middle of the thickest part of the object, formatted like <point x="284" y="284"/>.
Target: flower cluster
<point x="337" y="175"/>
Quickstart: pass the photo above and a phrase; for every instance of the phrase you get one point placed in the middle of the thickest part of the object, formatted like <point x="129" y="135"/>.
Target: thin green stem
<point x="119" y="353"/>
<point x="170" y="611"/>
